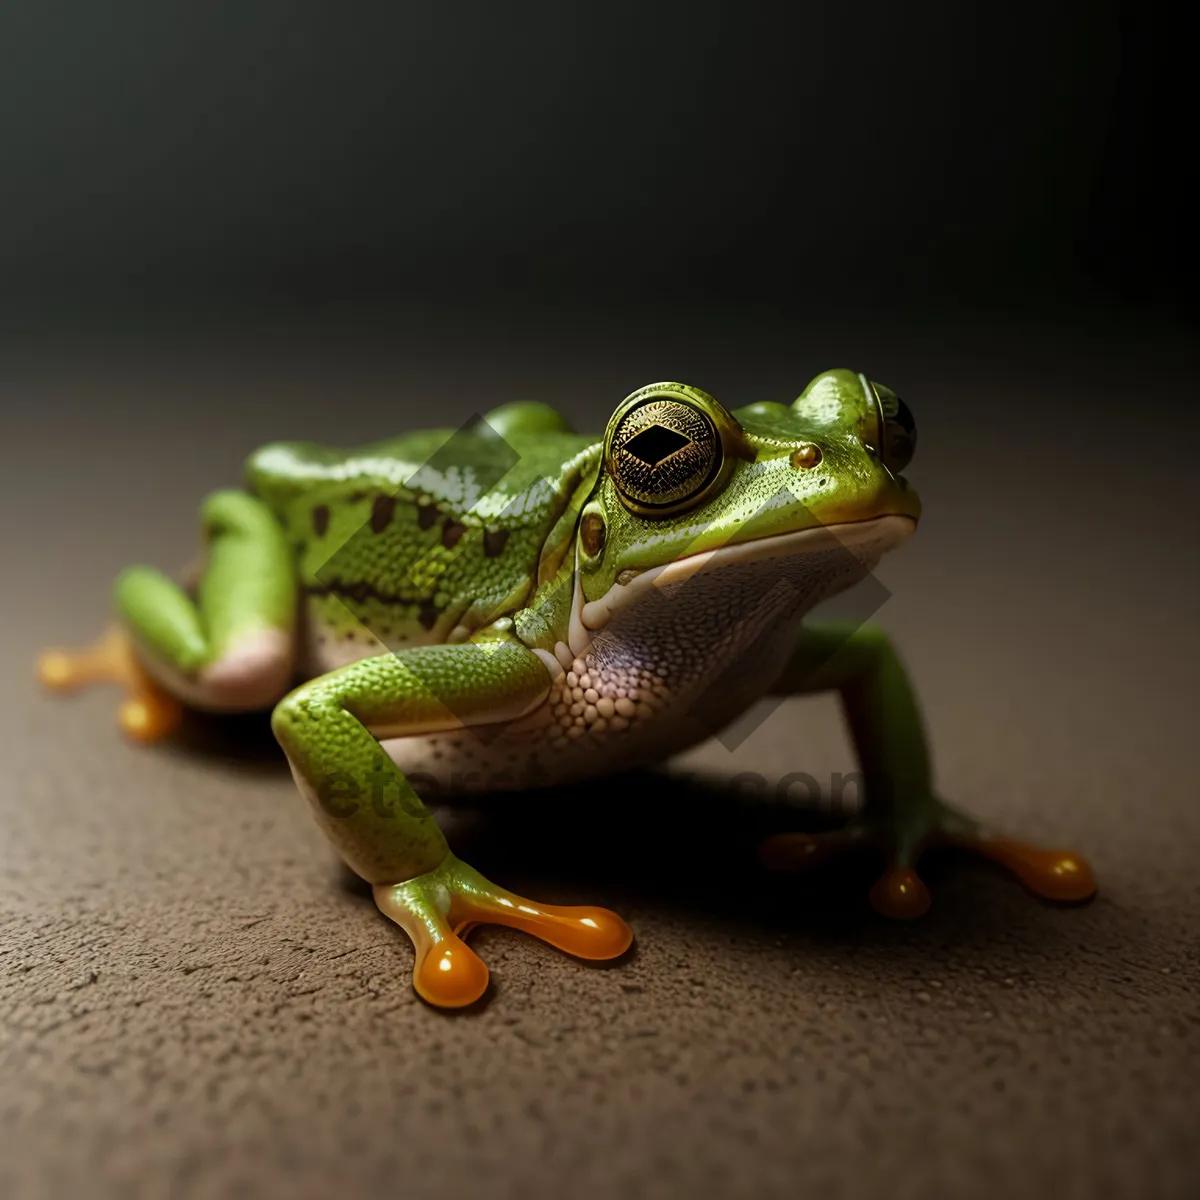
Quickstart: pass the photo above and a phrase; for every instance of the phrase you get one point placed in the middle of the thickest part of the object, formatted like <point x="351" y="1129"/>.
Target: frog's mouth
<point x="865" y="542"/>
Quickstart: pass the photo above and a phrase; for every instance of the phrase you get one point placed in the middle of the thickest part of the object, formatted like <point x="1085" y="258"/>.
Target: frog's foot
<point x="146" y="714"/>
<point x="436" y="910"/>
<point x="1055" y="874"/>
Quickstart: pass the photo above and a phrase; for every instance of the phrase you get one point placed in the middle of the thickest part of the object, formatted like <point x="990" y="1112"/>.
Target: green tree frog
<point x="513" y="603"/>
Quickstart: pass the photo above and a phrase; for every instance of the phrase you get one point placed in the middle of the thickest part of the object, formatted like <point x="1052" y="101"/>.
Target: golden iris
<point x="664" y="452"/>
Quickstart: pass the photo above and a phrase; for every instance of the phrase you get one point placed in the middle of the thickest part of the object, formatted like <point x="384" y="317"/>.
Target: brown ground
<point x="196" y="1000"/>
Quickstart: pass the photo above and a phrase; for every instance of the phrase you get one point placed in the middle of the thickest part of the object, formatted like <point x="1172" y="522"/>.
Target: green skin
<point x="430" y="588"/>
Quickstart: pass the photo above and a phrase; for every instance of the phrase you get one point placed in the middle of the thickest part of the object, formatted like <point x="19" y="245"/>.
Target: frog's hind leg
<point x="230" y="648"/>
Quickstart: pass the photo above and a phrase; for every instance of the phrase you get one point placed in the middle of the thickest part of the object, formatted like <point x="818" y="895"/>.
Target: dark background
<point x="1019" y="156"/>
<point x="223" y="224"/>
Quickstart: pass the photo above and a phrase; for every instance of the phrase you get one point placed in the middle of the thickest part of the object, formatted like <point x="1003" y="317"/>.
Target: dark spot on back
<point x="381" y="513"/>
<point x="493" y="541"/>
<point x="427" y="515"/>
<point x="320" y="520"/>
<point x="452" y="533"/>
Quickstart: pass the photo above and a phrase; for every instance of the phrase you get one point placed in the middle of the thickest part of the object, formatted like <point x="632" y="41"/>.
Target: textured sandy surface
<point x="195" y="999"/>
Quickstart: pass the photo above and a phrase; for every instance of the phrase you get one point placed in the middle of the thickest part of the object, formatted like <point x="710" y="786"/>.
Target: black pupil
<point x="654" y="444"/>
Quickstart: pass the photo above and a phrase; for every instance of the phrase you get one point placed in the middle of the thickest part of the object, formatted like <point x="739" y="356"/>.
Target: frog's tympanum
<point x="514" y="604"/>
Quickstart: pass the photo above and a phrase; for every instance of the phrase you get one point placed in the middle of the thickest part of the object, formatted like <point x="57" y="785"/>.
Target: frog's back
<point x="421" y="538"/>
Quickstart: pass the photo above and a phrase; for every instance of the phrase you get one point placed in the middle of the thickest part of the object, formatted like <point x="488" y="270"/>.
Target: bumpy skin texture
<point x="512" y="603"/>
<point x="423" y="538"/>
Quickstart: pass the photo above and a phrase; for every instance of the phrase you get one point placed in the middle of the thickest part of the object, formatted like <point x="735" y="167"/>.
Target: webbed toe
<point x="439" y="909"/>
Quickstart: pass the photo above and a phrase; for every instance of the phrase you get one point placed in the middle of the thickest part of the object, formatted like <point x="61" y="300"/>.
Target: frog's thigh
<point x="231" y="648"/>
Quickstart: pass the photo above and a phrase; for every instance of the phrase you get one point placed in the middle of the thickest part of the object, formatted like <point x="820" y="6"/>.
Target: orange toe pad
<point x="585" y="931"/>
<point x="150" y="716"/>
<point x="900" y="894"/>
<point x="793" y="851"/>
<point x="1055" y="874"/>
<point x="450" y="974"/>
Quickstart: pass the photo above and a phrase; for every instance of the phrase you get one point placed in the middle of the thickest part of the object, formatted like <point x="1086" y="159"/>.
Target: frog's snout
<point x="850" y="400"/>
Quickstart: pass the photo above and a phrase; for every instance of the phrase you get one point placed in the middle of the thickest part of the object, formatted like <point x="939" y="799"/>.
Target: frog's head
<point x="688" y="485"/>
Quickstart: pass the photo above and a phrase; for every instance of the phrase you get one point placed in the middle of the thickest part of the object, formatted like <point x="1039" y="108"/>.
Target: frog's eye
<point x="667" y="447"/>
<point x="898" y="430"/>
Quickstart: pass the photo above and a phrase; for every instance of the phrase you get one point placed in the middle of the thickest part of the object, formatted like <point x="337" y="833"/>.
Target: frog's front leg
<point x="227" y="648"/>
<point x="901" y="814"/>
<point x="331" y="730"/>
